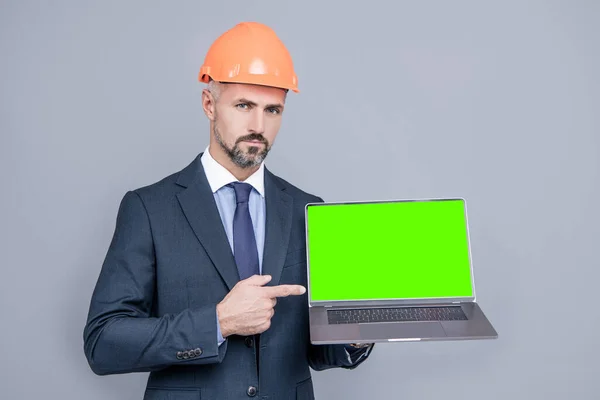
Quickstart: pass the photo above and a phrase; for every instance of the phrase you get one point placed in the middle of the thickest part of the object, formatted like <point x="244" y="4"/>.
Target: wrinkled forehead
<point x="256" y="93"/>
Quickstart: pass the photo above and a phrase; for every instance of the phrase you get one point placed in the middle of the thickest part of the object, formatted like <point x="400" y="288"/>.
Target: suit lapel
<point x="277" y="230"/>
<point x="198" y="204"/>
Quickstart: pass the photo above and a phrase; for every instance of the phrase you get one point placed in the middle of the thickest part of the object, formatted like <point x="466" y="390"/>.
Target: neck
<point x="222" y="158"/>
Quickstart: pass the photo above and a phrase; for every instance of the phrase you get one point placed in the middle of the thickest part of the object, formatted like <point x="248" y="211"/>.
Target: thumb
<point x="258" y="280"/>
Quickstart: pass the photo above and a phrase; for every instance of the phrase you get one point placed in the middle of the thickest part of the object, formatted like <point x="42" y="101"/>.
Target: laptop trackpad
<point x="402" y="330"/>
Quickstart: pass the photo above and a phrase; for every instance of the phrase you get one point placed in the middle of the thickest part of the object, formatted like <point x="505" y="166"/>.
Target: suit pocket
<point x="172" y="394"/>
<point x="305" y="391"/>
<point x="295" y="258"/>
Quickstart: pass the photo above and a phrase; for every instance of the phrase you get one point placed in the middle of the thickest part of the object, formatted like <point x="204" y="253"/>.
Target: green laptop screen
<point x="388" y="250"/>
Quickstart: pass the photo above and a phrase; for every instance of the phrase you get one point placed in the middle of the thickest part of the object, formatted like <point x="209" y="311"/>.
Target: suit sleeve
<point x="121" y="334"/>
<point x="322" y="357"/>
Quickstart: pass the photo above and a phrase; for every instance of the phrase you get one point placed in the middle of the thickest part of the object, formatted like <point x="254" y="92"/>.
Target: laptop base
<point x="476" y="326"/>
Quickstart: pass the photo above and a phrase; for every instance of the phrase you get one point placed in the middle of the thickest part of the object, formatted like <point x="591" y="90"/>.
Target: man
<point x="204" y="281"/>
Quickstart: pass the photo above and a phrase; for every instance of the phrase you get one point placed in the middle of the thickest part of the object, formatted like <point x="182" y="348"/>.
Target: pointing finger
<point x="285" y="290"/>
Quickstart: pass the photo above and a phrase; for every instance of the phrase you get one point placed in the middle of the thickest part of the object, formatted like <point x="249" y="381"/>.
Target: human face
<point x="245" y="122"/>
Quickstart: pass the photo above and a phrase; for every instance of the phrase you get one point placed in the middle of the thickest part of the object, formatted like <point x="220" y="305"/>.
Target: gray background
<point x="497" y="102"/>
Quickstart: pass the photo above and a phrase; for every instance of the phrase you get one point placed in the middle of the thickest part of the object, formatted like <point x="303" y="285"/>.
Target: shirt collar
<point x="218" y="176"/>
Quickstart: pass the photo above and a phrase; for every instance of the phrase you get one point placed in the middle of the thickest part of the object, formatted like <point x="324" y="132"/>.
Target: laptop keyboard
<point x="396" y="314"/>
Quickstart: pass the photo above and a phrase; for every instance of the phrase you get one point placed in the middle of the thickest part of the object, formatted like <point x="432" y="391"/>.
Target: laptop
<point x="391" y="271"/>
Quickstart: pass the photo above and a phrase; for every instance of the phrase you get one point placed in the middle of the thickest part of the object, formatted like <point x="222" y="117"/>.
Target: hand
<point x="360" y="345"/>
<point x="249" y="306"/>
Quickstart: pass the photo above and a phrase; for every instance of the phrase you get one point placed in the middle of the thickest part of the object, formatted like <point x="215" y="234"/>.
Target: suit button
<point x="198" y="352"/>
<point x="179" y="355"/>
<point x="251" y="391"/>
<point x="186" y="355"/>
<point x="249" y="341"/>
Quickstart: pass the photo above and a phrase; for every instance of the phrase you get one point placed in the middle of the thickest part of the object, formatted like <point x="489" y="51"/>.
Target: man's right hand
<point x="249" y="306"/>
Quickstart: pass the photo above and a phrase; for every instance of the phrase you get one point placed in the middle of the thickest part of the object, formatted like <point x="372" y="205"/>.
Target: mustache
<point x="252" y="136"/>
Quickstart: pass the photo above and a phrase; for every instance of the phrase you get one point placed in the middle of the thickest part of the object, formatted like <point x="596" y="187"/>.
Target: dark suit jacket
<point x="168" y="265"/>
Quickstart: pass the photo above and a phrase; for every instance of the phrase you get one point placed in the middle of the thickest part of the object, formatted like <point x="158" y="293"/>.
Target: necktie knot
<point x="242" y="191"/>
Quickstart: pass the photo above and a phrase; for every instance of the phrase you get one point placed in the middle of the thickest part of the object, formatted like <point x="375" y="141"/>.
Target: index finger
<point x="284" y="290"/>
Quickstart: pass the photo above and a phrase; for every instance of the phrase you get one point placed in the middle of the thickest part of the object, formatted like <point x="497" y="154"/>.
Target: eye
<point x="243" y="106"/>
<point x="273" y="110"/>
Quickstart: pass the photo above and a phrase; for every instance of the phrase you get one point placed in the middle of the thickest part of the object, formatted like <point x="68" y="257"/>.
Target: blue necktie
<point x="244" y="242"/>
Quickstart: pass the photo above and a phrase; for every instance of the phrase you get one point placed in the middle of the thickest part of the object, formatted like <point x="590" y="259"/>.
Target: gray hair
<point x="214" y="88"/>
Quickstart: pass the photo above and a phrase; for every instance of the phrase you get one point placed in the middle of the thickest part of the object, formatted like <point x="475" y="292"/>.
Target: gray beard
<point x="237" y="155"/>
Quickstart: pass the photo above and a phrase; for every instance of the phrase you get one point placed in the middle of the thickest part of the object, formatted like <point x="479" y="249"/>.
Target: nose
<point x="257" y="122"/>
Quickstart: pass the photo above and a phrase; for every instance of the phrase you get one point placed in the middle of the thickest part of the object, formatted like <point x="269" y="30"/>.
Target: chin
<point x="254" y="150"/>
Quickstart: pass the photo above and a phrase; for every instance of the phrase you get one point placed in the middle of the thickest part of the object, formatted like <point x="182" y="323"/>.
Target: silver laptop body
<point x="397" y="319"/>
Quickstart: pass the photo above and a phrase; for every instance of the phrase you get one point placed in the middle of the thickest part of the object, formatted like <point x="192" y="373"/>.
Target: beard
<point x="253" y="157"/>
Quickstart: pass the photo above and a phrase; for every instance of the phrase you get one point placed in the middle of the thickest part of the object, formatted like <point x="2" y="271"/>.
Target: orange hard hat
<point x="250" y="52"/>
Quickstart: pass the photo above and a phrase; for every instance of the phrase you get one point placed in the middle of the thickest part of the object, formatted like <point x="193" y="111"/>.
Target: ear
<point x="208" y="104"/>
